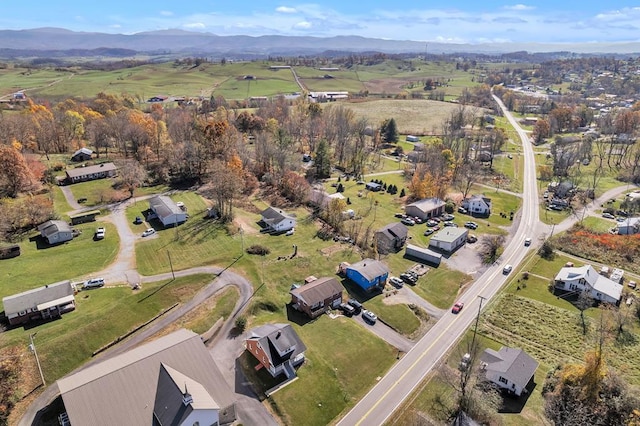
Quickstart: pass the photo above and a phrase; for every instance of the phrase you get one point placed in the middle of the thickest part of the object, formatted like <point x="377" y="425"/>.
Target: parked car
<point x="148" y="232"/>
<point x="369" y="316"/>
<point x="471" y="225"/>
<point x="93" y="283"/>
<point x="417" y="220"/>
<point x="408" y="221"/>
<point x="472" y="238"/>
<point x="527" y="241"/>
<point x="100" y="233"/>
<point x="507" y="269"/>
<point x="451" y="224"/>
<point x="431" y="223"/>
<point x="400" y="215"/>
<point x="462" y="210"/>
<point x="356" y="305"/>
<point x="397" y="282"/>
<point x="457" y="307"/>
<point x="607" y="215"/>
<point x="448" y="217"/>
<point x="428" y="232"/>
<point x="290" y="231"/>
<point x="408" y="278"/>
<point x="138" y="220"/>
<point x="347" y="309"/>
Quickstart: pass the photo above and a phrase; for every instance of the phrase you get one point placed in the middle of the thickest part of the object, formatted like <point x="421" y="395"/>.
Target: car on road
<point x="369" y="317"/>
<point x="356" y="305"/>
<point x="138" y="220"/>
<point x="100" y="233"/>
<point x="396" y="282"/>
<point x="457" y="307"/>
<point x="148" y="232"/>
<point x="607" y="215"/>
<point x="347" y="309"/>
<point x="408" y="221"/>
<point x="471" y="225"/>
<point x="527" y="241"/>
<point x="508" y="268"/>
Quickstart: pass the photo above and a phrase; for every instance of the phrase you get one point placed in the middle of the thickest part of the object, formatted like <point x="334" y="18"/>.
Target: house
<point x="412" y="138"/>
<point x="368" y="274"/>
<point x="99" y="171"/>
<point x="277" y="347"/>
<point x="477" y="205"/>
<point x="586" y="278"/>
<point x="42" y="303"/>
<point x="391" y="238"/>
<point x="55" y="231"/>
<point x="83" y="154"/>
<point x="166" y="211"/>
<point x="373" y="186"/>
<point x="158" y="98"/>
<point x="425" y="208"/>
<point x="276" y="220"/>
<point x="317" y="296"/>
<point x="170" y="381"/>
<point x="510" y="369"/>
<point x="423" y="255"/>
<point x="449" y="239"/>
<point x="630" y="226"/>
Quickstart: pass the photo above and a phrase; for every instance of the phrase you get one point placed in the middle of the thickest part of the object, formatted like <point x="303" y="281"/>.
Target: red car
<point x="457" y="307"/>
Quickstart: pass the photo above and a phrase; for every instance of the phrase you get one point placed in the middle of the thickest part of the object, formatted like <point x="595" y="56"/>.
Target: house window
<point x="503" y="380"/>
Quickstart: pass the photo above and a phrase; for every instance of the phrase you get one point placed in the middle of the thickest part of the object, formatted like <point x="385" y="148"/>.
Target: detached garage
<point x="449" y="239"/>
<point x="167" y="211"/>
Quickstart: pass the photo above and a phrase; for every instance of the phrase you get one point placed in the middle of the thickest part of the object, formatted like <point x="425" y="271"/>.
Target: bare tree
<point x="491" y="247"/>
<point x="131" y="175"/>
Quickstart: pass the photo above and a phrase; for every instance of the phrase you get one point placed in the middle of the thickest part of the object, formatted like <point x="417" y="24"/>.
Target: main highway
<point x="403" y="378"/>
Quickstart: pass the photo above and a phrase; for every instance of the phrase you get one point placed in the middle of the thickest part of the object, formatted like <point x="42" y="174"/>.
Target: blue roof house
<point x="368" y="274"/>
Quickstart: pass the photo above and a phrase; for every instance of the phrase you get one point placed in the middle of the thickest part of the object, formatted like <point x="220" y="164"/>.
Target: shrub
<point x="258" y="249"/>
<point x="241" y="323"/>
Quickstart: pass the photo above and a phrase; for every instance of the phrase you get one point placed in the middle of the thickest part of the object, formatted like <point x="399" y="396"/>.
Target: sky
<point x="470" y="21"/>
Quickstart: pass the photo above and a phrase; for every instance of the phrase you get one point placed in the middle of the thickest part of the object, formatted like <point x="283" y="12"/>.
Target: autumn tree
<point x="223" y="185"/>
<point x="15" y="176"/>
<point x="131" y="175"/>
<point x="541" y="131"/>
<point x="294" y="187"/>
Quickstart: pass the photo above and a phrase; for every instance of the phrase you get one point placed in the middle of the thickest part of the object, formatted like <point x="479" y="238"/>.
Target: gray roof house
<point x="629" y="226"/>
<point x="276" y="220"/>
<point x="167" y="211"/>
<point x="391" y="238"/>
<point x="56" y="231"/>
<point x="477" y="205"/>
<point x="510" y="369"/>
<point x="170" y="381"/>
<point x="318" y="296"/>
<point x="42" y="303"/>
<point x="83" y="154"/>
<point x="586" y="278"/>
<point x="99" y="171"/>
<point x="449" y="239"/>
<point x="425" y="208"/>
<point x="277" y="347"/>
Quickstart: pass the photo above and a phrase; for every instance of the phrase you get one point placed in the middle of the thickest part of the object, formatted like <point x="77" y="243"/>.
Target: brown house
<point x="277" y="347"/>
<point x="391" y="238"/>
<point x="316" y="297"/>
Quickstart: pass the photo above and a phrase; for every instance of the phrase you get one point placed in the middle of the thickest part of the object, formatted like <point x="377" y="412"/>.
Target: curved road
<point x="389" y="393"/>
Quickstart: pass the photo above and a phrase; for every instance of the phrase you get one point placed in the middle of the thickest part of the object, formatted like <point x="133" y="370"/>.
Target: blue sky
<point x="472" y="21"/>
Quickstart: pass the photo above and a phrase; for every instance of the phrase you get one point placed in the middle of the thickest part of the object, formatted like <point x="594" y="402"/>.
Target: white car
<point x="397" y="282"/>
<point x="507" y="269"/>
<point x="291" y="231"/>
<point x="148" y="232"/>
<point x="527" y="241"/>
<point x="100" y="233"/>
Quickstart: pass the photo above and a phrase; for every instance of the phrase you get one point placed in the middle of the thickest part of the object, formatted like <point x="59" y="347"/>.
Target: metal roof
<point x="512" y="363"/>
<point x="370" y="268"/>
<point x="98" y="168"/>
<point x="52" y="226"/>
<point x="318" y="290"/>
<point x="449" y="234"/>
<point x="38" y="296"/>
<point x="164" y="206"/>
<point x="122" y="390"/>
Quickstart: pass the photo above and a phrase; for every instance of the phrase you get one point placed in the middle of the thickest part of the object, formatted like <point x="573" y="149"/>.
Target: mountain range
<point x="41" y="41"/>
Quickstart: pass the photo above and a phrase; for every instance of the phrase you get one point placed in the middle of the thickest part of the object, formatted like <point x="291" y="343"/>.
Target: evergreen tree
<point x="389" y="131"/>
<point x="322" y="160"/>
<point x="402" y="193"/>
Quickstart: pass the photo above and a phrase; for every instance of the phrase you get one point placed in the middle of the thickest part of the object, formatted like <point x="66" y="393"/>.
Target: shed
<point x="449" y="239"/>
<point x="83" y="154"/>
<point x="42" y="303"/>
<point x="56" y="231"/>
<point x="423" y="255"/>
<point x="412" y="138"/>
<point x="368" y="274"/>
<point x="167" y="211"/>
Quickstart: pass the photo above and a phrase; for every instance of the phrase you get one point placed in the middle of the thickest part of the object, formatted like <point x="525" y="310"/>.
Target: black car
<point x="138" y="220"/>
<point x="408" y="278"/>
<point x="356" y="305"/>
<point x="347" y="309"/>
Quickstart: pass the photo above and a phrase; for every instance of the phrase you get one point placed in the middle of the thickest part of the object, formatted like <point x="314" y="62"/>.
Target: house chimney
<point x="278" y="334"/>
<point x="186" y="396"/>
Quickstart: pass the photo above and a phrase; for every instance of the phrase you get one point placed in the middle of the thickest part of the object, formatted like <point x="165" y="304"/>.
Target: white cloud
<point x="166" y="13"/>
<point x="285" y="9"/>
<point x="195" y="26"/>
<point x="519" y="7"/>
<point x="304" y="25"/>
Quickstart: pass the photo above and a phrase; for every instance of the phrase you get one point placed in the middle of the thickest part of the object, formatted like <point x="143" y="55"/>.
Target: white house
<point x="586" y="278"/>
<point x="478" y="205"/>
<point x="449" y="239"/>
<point x="630" y="226"/>
<point x="510" y="369"/>
<point x="167" y="211"/>
<point x="56" y="231"/>
<point x="425" y="208"/>
<point x="277" y="220"/>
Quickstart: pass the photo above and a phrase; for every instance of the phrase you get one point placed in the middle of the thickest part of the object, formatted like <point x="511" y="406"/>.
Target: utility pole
<point x="32" y="347"/>
<point x="171" y="265"/>
<point x="475" y="330"/>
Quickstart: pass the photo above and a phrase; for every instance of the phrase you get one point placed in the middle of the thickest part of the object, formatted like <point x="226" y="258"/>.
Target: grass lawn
<point x="72" y="260"/>
<point x="97" y="192"/>
<point x="331" y="380"/>
<point x="60" y="205"/>
<point x="65" y="344"/>
<point x="399" y="316"/>
<point x="440" y="286"/>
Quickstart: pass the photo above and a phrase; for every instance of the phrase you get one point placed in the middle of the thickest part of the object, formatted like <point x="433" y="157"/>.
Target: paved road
<point x="389" y="393"/>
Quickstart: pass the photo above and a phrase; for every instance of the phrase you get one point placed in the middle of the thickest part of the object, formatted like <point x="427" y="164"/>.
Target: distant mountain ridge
<point x="181" y="42"/>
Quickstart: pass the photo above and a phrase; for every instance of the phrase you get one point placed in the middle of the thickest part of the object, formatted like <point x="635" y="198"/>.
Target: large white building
<point x="586" y="278"/>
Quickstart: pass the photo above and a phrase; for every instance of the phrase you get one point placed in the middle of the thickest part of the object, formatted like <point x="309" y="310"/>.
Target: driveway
<point x="386" y="333"/>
